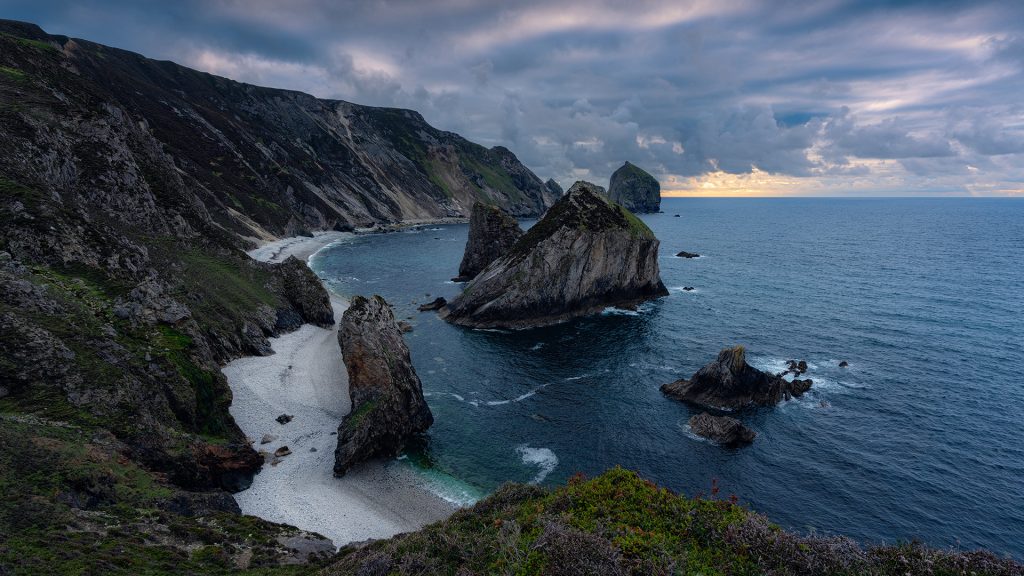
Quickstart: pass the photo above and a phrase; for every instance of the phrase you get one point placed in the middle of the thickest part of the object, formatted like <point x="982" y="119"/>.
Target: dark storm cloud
<point x="911" y="97"/>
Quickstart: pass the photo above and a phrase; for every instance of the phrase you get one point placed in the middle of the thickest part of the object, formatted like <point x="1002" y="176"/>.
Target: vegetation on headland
<point x="618" y="523"/>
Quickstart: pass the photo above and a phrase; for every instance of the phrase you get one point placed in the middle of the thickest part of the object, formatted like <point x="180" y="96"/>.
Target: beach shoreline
<point x="306" y="379"/>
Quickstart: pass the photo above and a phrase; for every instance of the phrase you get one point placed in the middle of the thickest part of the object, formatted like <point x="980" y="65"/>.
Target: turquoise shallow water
<point x="922" y="436"/>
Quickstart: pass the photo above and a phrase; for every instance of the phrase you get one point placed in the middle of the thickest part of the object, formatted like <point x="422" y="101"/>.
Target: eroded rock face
<point x="305" y="292"/>
<point x="635" y="189"/>
<point x="585" y="254"/>
<point x="492" y="233"/>
<point x="729" y="382"/>
<point x="387" y="398"/>
<point x="724" y="430"/>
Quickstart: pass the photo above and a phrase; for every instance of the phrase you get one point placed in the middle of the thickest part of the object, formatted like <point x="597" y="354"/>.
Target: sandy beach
<point x="306" y="378"/>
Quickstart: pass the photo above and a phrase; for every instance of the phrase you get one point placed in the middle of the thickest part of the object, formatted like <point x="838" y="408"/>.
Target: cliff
<point x="387" y="398"/>
<point x="635" y="189"/>
<point x="585" y="254"/>
<point x="492" y="233"/>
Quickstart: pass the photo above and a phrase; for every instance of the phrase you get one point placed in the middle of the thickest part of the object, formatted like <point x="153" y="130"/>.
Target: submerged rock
<point x="725" y="430"/>
<point x="492" y="233"/>
<point x="729" y="382"/>
<point x="284" y="418"/>
<point x="585" y="255"/>
<point x="387" y="397"/>
<point x="436" y="304"/>
<point x="844" y="364"/>
<point x="635" y="189"/>
<point x="685" y="254"/>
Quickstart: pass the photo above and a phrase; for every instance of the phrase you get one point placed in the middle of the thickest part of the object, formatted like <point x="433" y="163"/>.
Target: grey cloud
<point x="807" y="89"/>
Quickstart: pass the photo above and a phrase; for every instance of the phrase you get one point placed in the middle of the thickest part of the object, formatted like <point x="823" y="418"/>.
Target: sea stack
<point x="730" y="383"/>
<point x="553" y="188"/>
<point x="387" y="397"/>
<point x="584" y="255"/>
<point x="635" y="189"/>
<point x="492" y="232"/>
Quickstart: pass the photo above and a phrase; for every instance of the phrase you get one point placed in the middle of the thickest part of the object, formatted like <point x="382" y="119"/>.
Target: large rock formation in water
<point x="585" y="254"/>
<point x="387" y="398"/>
<point x="730" y="383"/>
<point x="554" y="189"/>
<point x="635" y="189"/>
<point x="492" y="232"/>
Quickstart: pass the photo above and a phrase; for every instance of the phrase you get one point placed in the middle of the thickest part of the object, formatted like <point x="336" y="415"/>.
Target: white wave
<point x="542" y="458"/>
<point x="525" y="396"/>
<point x="498" y="330"/>
<point x="684" y="425"/>
<point x="537" y="346"/>
<point x="570" y="378"/>
<point x="497" y="402"/>
<point x="619" y="312"/>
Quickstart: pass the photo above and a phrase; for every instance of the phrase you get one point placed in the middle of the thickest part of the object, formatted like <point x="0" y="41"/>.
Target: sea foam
<point x="542" y="458"/>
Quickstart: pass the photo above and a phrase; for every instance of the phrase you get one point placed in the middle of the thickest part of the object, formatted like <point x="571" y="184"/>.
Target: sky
<point x="713" y="97"/>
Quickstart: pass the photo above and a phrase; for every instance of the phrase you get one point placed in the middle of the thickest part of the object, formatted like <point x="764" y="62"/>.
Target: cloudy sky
<point x="713" y="97"/>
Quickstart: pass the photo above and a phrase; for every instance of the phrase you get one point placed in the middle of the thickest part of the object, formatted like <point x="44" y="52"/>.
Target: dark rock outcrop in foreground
<point x="593" y="525"/>
<point x="725" y="430"/>
<point x="585" y="254"/>
<point x="729" y="382"/>
<point x="635" y="189"/>
<point x="492" y="233"/>
<point x="387" y="398"/>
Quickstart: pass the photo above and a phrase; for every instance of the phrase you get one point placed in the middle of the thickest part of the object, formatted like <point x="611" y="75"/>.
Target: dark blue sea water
<point x="922" y="436"/>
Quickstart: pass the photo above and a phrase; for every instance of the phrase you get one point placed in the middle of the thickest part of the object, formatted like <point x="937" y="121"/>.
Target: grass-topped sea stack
<point x="635" y="189"/>
<point x="387" y="397"/>
<point x="586" y="254"/>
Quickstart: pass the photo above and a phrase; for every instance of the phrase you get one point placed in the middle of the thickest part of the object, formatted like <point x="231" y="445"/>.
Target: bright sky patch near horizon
<point x="714" y="98"/>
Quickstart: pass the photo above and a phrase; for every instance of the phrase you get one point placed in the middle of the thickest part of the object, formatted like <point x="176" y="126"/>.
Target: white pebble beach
<point x="306" y="378"/>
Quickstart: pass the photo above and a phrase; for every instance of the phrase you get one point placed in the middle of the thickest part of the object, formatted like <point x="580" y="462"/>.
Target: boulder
<point x="282" y="451"/>
<point x="492" y="233"/>
<point x="387" y="398"/>
<point x="585" y="255"/>
<point x="635" y="189"/>
<point x="844" y="364"/>
<point x="284" y="418"/>
<point x="730" y="383"/>
<point x="724" y="430"/>
<point x="436" y="304"/>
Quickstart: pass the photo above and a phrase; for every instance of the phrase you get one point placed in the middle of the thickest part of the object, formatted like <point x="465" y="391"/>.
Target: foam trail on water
<point x="543" y="458"/>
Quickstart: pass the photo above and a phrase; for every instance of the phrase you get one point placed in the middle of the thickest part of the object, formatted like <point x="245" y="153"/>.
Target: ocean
<point x="922" y="436"/>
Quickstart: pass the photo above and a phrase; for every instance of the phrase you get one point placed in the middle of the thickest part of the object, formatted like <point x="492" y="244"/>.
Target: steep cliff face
<point x="635" y="189"/>
<point x="387" y="398"/>
<point x="729" y="382"/>
<point x="584" y="255"/>
<point x="257" y="161"/>
<point x="492" y="233"/>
